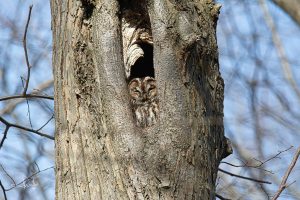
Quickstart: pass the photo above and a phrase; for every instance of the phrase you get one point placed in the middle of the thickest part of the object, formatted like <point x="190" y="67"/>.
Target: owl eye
<point x="136" y="90"/>
<point x="151" y="87"/>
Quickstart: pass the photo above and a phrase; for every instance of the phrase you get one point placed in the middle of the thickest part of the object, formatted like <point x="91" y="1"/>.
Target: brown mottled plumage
<point x="144" y="100"/>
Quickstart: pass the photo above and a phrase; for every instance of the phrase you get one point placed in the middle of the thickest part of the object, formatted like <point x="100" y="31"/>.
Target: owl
<point x="144" y="100"/>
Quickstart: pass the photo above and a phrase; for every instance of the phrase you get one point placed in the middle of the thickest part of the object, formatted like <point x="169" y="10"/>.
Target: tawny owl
<point x="144" y="100"/>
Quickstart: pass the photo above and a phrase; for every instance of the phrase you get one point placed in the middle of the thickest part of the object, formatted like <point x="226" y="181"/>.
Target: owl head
<point x="142" y="90"/>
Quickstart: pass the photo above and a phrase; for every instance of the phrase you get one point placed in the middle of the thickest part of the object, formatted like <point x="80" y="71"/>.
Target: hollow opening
<point x="144" y="65"/>
<point x="88" y="9"/>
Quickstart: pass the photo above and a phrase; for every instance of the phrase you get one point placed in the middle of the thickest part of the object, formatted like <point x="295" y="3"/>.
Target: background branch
<point x="3" y="190"/>
<point x="8" y="125"/>
<point x="283" y="184"/>
<point x="26" y="96"/>
<point x="25" y="50"/>
<point x="244" y="177"/>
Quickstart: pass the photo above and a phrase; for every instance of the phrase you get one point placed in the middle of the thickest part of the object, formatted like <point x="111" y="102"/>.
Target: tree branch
<point x="26" y="96"/>
<point x="243" y="177"/>
<point x="25" y="50"/>
<point x="222" y="198"/>
<point x="8" y="125"/>
<point x="8" y="175"/>
<point x="283" y="184"/>
<point x="3" y="190"/>
<point x="29" y="177"/>
<point x="4" y="135"/>
<point x="46" y="123"/>
<point x="43" y="86"/>
<point x="261" y="163"/>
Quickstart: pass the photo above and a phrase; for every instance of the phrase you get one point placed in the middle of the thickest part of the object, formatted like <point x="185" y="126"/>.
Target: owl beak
<point x="144" y="97"/>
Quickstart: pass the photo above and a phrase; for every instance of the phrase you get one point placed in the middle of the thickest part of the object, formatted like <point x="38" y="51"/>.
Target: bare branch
<point x="261" y="163"/>
<point x="28" y="178"/>
<point x="275" y="156"/>
<point x="26" y="96"/>
<point x="29" y="114"/>
<point x="19" y="98"/>
<point x="283" y="184"/>
<point x="8" y="124"/>
<point x="3" y="190"/>
<point x="7" y="174"/>
<point x="4" y="135"/>
<point x="243" y="177"/>
<point x="46" y="123"/>
<point x="25" y="50"/>
<point x="222" y="198"/>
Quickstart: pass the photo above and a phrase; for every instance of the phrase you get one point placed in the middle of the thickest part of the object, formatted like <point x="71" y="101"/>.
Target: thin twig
<point x="37" y="166"/>
<point x="28" y="112"/>
<point x="7" y="174"/>
<point x="275" y="156"/>
<point x="261" y="163"/>
<point x="283" y="184"/>
<point x="243" y="177"/>
<point x="11" y="105"/>
<point x="28" y="178"/>
<point x="26" y="96"/>
<point x="248" y="166"/>
<point x="25" y="129"/>
<point x="222" y="198"/>
<point x="3" y="190"/>
<point x="4" y="135"/>
<point x="25" y="50"/>
<point x="46" y="123"/>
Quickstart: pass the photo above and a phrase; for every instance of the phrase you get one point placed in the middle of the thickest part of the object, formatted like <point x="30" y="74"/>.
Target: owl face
<point x="144" y="100"/>
<point x="142" y="90"/>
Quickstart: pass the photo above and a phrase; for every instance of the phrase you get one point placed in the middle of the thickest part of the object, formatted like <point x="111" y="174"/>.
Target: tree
<point x="100" y="153"/>
<point x="258" y="61"/>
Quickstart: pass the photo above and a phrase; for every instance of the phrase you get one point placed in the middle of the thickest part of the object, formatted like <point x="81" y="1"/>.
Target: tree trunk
<point x="100" y="152"/>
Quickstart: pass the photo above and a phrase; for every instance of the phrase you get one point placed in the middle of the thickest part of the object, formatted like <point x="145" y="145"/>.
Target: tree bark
<point x="100" y="152"/>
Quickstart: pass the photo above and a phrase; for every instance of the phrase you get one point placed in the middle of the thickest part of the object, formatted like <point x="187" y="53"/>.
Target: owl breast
<point x="144" y="101"/>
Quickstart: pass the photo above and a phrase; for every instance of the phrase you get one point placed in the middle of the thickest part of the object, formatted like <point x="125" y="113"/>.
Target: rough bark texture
<point x="100" y="153"/>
